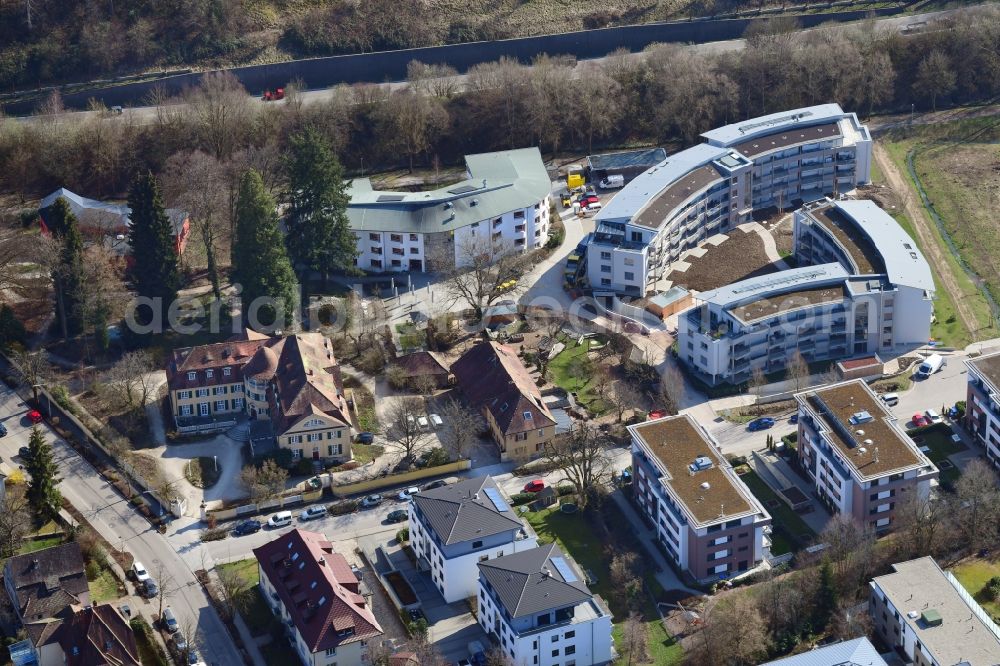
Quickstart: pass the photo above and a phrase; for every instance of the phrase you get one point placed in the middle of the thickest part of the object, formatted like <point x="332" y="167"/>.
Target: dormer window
<point x="209" y="374"/>
<point x="322" y="600"/>
<point x="192" y="376"/>
<point x="312" y="585"/>
<point x="226" y="372"/>
<point x="527" y="416"/>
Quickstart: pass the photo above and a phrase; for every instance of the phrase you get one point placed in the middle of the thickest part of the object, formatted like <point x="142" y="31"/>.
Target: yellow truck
<point x="574" y="176"/>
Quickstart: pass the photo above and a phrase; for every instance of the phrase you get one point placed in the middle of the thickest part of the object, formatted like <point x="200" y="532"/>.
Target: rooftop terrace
<point x="676" y="441"/>
<point x="989" y="367"/>
<point x="879" y="448"/>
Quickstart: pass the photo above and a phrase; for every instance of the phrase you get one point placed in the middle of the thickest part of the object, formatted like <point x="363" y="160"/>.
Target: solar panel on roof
<point x="564" y="569"/>
<point x="384" y="198"/>
<point x="463" y="189"/>
<point x="497" y="500"/>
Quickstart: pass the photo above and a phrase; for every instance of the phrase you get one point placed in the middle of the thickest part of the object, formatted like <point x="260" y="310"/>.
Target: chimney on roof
<point x="545" y="572"/>
<point x="34" y="564"/>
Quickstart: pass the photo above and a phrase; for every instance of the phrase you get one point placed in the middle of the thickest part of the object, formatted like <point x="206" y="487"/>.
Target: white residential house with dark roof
<point x="454" y="528"/>
<point x="503" y="204"/>
<point x="781" y="160"/>
<point x="927" y="617"/>
<point x="537" y="607"/>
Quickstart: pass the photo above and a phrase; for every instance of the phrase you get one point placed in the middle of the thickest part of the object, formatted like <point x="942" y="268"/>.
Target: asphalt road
<point x="116" y="520"/>
<point x="900" y="24"/>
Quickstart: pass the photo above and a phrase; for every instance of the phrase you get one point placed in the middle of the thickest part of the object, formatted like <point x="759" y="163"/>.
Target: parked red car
<point x="919" y="421"/>
<point x="274" y="95"/>
<point x="534" y="486"/>
<point x="35" y="416"/>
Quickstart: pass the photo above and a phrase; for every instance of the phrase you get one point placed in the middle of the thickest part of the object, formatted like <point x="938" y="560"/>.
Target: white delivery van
<point x="280" y="519"/>
<point x="931" y="364"/>
<point x="612" y="182"/>
<point x="890" y="399"/>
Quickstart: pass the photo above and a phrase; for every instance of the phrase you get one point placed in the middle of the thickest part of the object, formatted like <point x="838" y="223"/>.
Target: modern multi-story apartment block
<point x="780" y="160"/>
<point x="862" y="462"/>
<point x="707" y="519"/>
<point x="982" y="404"/>
<point x="539" y="610"/>
<point x="861" y="287"/>
<point x="318" y="597"/>
<point x="853" y="652"/>
<point x="929" y="619"/>
<point x="290" y="383"/>
<point x="502" y="205"/>
<point x="454" y="528"/>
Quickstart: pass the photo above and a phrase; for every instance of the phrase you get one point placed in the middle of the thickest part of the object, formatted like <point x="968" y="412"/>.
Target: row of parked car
<point x="285" y="518"/>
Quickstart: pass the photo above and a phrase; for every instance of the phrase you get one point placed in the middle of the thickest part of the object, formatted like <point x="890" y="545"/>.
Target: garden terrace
<point x="739" y="257"/>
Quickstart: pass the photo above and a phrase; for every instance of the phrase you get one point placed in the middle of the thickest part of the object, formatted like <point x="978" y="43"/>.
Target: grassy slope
<point x="948" y="329"/>
<point x="974" y="575"/>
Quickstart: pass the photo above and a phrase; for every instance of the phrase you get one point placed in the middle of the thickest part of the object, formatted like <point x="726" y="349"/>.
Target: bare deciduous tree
<point x="402" y="429"/>
<point x="483" y="273"/>
<point x="461" y="429"/>
<point x="583" y="457"/>
<point x="222" y="112"/>
<point x="797" y="370"/>
<point x="672" y="389"/>
<point x="131" y="379"/>
<point x="264" y="482"/>
<point x="31" y="369"/>
<point x="976" y="506"/>
<point x="634" y="640"/>
<point x="733" y="633"/>
<point x="231" y="585"/>
<point x="15" y="519"/>
<point x="624" y="396"/>
<point x="935" y="77"/>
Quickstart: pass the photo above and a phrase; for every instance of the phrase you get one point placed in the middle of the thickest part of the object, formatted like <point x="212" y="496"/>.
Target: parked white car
<point x="405" y="495"/>
<point x="933" y="416"/>
<point x="423" y="423"/>
<point x="436" y="421"/>
<point x="139" y="571"/>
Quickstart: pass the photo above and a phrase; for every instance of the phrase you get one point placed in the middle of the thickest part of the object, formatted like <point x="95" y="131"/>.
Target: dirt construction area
<point x="740" y="256"/>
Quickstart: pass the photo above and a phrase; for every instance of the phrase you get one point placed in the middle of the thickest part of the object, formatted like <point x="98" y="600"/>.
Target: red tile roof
<point x="492" y="376"/>
<point x="421" y="363"/>
<point x="232" y="353"/>
<point x="328" y="614"/>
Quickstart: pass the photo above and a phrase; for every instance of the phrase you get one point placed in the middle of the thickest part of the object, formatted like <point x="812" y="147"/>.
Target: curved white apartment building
<point x="861" y="287"/>
<point x="781" y="160"/>
<point x="502" y="205"/>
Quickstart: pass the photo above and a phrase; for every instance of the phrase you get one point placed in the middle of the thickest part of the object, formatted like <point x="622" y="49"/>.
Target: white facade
<point x="861" y="287"/>
<point x="502" y="205"/>
<point x="774" y="161"/>
<point x="584" y="640"/>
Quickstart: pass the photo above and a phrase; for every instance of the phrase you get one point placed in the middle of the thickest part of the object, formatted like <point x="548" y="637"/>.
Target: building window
<point x="413" y="238"/>
<point x="185" y="410"/>
<point x="396" y="238"/>
<point x="629" y="276"/>
<point x="226" y="372"/>
<point x="203" y="409"/>
<point x="605" y="255"/>
<point x="220" y="405"/>
<point x="183" y="395"/>
<point x="477" y="544"/>
<point x="570" y="650"/>
<point x="570" y="634"/>
<point x="555" y="653"/>
<point x="605" y="282"/>
<point x="209" y="374"/>
<point x="414" y="250"/>
<point x="296" y="454"/>
<point x="374" y="237"/>
<point x="331" y="651"/>
<point x="605" y="268"/>
<point x="192" y="376"/>
<point x="201" y="393"/>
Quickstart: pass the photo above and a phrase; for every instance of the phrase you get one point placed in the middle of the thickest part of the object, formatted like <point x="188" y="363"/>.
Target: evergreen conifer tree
<point x="155" y="272"/>
<point x="42" y="493"/>
<point x="260" y="262"/>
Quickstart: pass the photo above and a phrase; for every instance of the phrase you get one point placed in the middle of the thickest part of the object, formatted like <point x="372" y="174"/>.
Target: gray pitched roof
<point x="857" y="652"/>
<point x="462" y="511"/>
<point x="529" y="582"/>
<point x="498" y="183"/>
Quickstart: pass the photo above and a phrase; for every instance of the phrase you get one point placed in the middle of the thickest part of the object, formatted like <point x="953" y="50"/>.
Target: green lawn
<point x="202" y="472"/>
<point x="251" y="604"/>
<point x="789" y="531"/>
<point x="974" y="574"/>
<point x="575" y="536"/>
<point x="32" y="545"/>
<point x="149" y="652"/>
<point x="365" y="453"/>
<point x="937" y="438"/>
<point x="104" y="588"/>
<point x="569" y="371"/>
